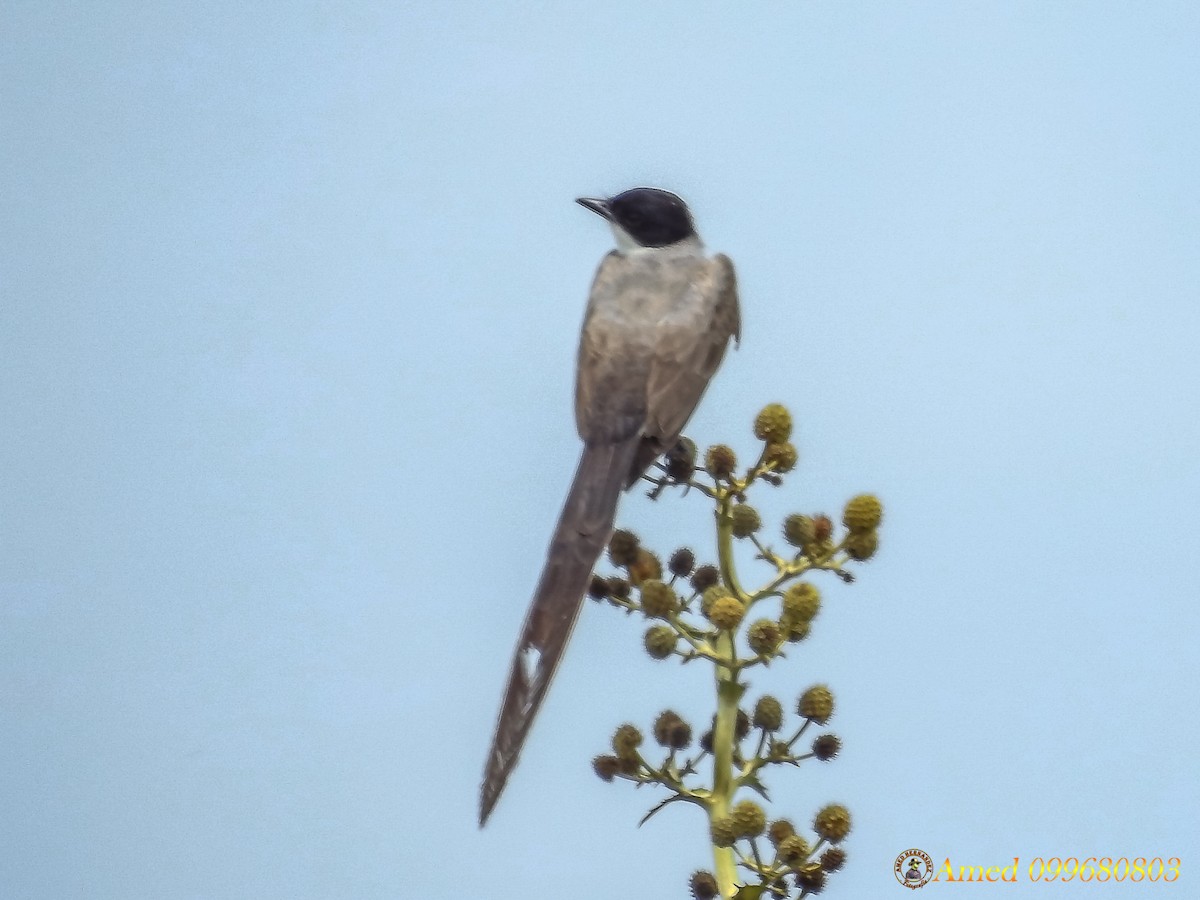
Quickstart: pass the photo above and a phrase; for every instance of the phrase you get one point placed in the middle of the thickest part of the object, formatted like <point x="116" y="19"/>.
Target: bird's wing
<point x="614" y="355"/>
<point x="690" y="343"/>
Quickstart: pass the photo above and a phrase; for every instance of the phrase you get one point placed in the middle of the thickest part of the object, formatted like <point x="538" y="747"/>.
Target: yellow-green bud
<point x="626" y="740"/>
<point x="746" y="520"/>
<point x="749" y="820"/>
<point x="795" y="632"/>
<point x="773" y="423"/>
<point x="832" y="823"/>
<point x="779" y="830"/>
<point x="726" y="613"/>
<point x="816" y="703"/>
<point x="801" y="602"/>
<point x="606" y="767"/>
<point x="720" y="461"/>
<point x="782" y="457"/>
<point x="623" y="547"/>
<point x="704" y="885"/>
<point x="658" y="600"/>
<point x="863" y="513"/>
<point x="710" y="596"/>
<point x="722" y="831"/>
<point x="764" y="637"/>
<point x="799" y="531"/>
<point x="861" y="545"/>
<point x="768" y="713"/>
<point x="819" y="550"/>
<point x="793" y="850"/>
<point x="660" y="641"/>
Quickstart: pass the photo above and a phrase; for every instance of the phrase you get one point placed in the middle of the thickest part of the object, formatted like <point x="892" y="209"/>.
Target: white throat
<point x="627" y="246"/>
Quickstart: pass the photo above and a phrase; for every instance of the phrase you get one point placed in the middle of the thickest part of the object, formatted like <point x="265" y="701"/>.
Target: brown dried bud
<point x="682" y="562"/>
<point x="705" y="577"/>
<point x="623" y="547"/>
<point x="671" y="731"/>
<point x="703" y="885"/>
<point x="606" y="767"/>
<point x="823" y="527"/>
<point x="741" y="727"/>
<point x="779" y="830"/>
<point x="598" y="588"/>
<point x="720" y="461"/>
<point x="826" y="746"/>
<point x="646" y="566"/>
<point x="833" y="859"/>
<point x="810" y="879"/>
<point x="681" y="460"/>
<point x="619" y="587"/>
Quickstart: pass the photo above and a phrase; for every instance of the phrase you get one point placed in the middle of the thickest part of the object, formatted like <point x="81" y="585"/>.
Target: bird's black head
<point x="652" y="217"/>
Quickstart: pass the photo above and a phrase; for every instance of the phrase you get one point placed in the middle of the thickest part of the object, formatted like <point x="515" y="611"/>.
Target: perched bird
<point x="658" y="320"/>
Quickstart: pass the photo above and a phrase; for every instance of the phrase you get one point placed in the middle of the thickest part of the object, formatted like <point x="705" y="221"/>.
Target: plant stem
<point x="725" y="545"/>
<point x="729" y="695"/>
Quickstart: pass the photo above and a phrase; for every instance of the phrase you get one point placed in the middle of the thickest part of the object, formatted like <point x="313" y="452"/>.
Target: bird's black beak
<point x="599" y="207"/>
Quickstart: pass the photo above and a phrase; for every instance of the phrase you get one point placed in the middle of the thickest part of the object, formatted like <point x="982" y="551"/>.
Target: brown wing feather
<point x="610" y="383"/>
<point x="691" y="343"/>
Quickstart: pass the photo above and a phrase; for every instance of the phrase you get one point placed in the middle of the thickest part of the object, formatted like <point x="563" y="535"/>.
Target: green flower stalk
<point x="703" y="611"/>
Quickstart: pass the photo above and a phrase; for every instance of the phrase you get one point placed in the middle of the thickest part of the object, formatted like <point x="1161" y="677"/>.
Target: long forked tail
<point x="583" y="530"/>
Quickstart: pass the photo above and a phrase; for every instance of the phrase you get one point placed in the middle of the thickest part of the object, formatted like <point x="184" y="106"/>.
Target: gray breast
<point x="631" y="296"/>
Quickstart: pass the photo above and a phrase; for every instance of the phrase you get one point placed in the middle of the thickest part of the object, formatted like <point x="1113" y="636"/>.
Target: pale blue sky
<point x="289" y="296"/>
